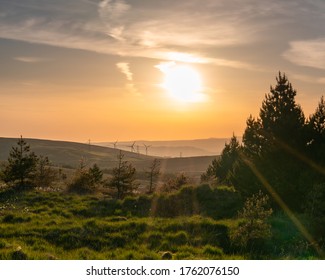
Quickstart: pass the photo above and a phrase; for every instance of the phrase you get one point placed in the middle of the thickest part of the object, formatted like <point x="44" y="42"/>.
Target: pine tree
<point x="123" y="180"/>
<point x="45" y="175"/>
<point x="275" y="141"/>
<point x="20" y="168"/>
<point x="273" y="145"/>
<point x="86" y="180"/>
<point x="282" y="120"/>
<point x="153" y="173"/>
<point x="255" y="226"/>
<point x="316" y="129"/>
<point x="253" y="138"/>
<point x="223" y="167"/>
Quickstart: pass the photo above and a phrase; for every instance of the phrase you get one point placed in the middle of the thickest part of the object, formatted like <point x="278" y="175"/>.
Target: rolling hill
<point x="69" y="154"/>
<point x="176" y="148"/>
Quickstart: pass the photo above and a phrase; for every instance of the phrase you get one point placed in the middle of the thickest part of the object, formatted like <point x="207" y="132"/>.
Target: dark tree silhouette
<point x="20" y="168"/>
<point x="123" y="180"/>
<point x="45" y="175"/>
<point x="223" y="167"/>
<point x="86" y="180"/>
<point x="282" y="119"/>
<point x="274" y="146"/>
<point x="153" y="173"/>
<point x="316" y="129"/>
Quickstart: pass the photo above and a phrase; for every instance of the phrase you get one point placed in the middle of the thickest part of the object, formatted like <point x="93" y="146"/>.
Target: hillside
<point x="69" y="154"/>
<point x="176" y="148"/>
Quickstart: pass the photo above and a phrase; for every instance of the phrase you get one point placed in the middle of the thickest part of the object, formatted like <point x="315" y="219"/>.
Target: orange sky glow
<point x="152" y="70"/>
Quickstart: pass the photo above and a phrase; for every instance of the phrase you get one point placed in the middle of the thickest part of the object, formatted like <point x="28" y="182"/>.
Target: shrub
<point x="86" y="181"/>
<point x="255" y="227"/>
<point x="175" y="184"/>
<point x="315" y="208"/>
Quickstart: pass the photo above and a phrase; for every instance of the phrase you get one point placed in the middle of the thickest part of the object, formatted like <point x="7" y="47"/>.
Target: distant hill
<point x="176" y="148"/>
<point x="69" y="154"/>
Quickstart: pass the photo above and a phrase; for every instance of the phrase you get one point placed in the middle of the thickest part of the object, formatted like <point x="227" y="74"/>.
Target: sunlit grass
<point x="45" y="225"/>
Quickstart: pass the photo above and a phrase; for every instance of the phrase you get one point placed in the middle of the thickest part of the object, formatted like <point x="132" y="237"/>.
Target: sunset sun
<point x="182" y="82"/>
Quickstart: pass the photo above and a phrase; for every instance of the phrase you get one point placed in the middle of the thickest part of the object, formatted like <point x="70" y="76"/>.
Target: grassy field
<point x="56" y="225"/>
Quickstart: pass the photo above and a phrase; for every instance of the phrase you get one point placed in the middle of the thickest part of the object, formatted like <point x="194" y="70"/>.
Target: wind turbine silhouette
<point x="114" y="144"/>
<point x="132" y="147"/>
<point x="147" y="147"/>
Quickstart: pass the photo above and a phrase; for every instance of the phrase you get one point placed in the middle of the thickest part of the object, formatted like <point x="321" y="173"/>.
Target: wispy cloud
<point x="29" y="59"/>
<point x="307" y="53"/>
<point x="124" y="67"/>
<point x="192" y="30"/>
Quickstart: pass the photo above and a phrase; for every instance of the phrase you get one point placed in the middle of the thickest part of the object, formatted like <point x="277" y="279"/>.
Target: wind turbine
<point x="147" y="147"/>
<point x="132" y="147"/>
<point x="89" y="144"/>
<point x="114" y="144"/>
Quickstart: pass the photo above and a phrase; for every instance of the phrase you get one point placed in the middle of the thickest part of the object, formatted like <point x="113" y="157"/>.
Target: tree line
<point x="25" y="170"/>
<point x="282" y="152"/>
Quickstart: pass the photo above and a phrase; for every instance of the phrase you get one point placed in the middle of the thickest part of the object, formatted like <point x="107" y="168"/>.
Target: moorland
<point x="261" y="198"/>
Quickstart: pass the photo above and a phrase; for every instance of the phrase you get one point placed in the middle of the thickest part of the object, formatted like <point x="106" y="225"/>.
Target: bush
<point x="254" y="228"/>
<point x="315" y="209"/>
<point x="175" y="184"/>
<point x="86" y="181"/>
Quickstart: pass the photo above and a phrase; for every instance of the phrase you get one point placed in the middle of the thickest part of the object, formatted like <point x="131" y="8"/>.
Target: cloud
<point x="112" y="9"/>
<point x="124" y="67"/>
<point x="309" y="53"/>
<point x="29" y="59"/>
<point x="188" y="31"/>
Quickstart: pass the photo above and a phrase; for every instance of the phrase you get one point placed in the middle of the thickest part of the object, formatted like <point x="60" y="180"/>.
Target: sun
<point x="182" y="82"/>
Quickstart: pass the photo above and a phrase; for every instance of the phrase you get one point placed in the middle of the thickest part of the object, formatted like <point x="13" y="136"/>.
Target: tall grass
<point x="53" y="225"/>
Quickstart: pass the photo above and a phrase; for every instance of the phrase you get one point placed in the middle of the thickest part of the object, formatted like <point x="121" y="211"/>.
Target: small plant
<point x="45" y="175"/>
<point x="175" y="184"/>
<point x="86" y="181"/>
<point x="255" y="226"/>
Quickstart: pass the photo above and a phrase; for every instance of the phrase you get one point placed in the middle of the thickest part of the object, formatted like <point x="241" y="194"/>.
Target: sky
<point x="110" y="70"/>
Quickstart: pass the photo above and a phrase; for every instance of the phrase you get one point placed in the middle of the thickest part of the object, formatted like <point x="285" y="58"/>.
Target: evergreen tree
<point x="282" y="120"/>
<point x="123" y="180"/>
<point x="86" y="180"/>
<point x="20" y="168"/>
<point x="255" y="228"/>
<point x="223" y="167"/>
<point x="274" y="145"/>
<point x="45" y="175"/>
<point x="253" y="138"/>
<point x="153" y="173"/>
<point x="316" y="129"/>
<point x="95" y="175"/>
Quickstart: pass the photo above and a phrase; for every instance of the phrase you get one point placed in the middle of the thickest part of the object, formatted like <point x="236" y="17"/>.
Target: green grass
<point x="44" y="225"/>
<point x="54" y="225"/>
